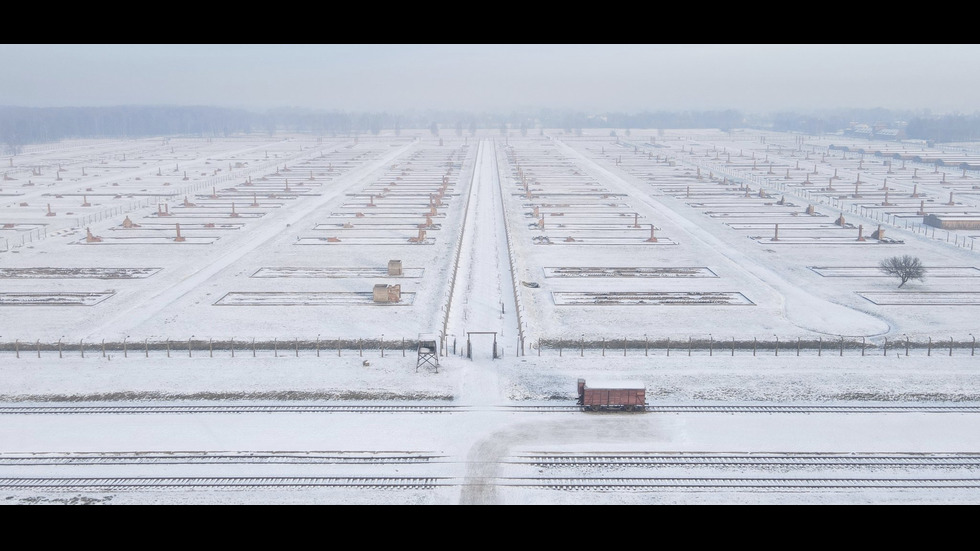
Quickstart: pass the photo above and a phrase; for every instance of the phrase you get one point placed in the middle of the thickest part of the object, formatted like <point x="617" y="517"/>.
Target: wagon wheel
<point x="628" y="408"/>
<point x="637" y="408"/>
<point x="594" y="407"/>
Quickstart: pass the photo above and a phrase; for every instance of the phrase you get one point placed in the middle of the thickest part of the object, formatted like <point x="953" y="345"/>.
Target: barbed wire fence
<point x="839" y="346"/>
<point x="231" y="347"/>
<point x="227" y="347"/>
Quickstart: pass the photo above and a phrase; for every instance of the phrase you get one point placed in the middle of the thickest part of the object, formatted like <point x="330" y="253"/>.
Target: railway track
<point x="286" y="408"/>
<point x="177" y="409"/>
<point x="646" y="484"/>
<point x="102" y="484"/>
<point x="221" y="458"/>
<point x="755" y="460"/>
<point x="279" y="482"/>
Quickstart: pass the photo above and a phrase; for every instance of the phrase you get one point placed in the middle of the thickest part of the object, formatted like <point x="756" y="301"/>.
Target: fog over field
<point x="496" y="77"/>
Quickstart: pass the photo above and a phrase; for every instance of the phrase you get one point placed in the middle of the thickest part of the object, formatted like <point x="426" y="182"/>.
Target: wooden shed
<point x="394" y="267"/>
<point x="387" y="293"/>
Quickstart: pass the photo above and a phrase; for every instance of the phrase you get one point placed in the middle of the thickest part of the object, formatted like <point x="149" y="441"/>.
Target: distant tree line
<point x="20" y="126"/>
<point x="949" y="128"/>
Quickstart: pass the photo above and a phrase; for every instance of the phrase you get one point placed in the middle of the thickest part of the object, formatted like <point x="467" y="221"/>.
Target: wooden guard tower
<point x="428" y="352"/>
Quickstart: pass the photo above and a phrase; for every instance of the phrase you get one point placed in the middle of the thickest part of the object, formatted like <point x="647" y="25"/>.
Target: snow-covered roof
<point x="603" y="383"/>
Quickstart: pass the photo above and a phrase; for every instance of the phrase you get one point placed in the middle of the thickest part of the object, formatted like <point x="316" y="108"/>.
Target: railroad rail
<point x="642" y="484"/>
<point x="754" y="460"/>
<point x="428" y="483"/>
<point x="287" y="408"/>
<point x="209" y="458"/>
<point x="177" y="409"/>
<point x="138" y="483"/>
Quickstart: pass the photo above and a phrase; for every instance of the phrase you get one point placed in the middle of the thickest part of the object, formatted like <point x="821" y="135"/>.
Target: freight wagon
<point x="606" y="395"/>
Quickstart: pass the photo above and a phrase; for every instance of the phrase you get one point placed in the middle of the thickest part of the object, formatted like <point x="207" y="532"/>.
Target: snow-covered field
<point x="669" y="235"/>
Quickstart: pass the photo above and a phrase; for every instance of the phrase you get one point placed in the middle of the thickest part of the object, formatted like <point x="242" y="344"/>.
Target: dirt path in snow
<point x="483" y="296"/>
<point x="487" y="457"/>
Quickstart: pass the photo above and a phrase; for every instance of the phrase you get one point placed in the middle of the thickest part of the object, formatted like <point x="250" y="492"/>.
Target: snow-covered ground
<point x="597" y="197"/>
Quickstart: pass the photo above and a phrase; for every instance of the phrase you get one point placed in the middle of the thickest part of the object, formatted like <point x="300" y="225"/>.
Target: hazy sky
<point x="630" y="77"/>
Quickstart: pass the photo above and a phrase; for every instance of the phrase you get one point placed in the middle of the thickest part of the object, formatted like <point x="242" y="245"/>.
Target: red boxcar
<point x="600" y="395"/>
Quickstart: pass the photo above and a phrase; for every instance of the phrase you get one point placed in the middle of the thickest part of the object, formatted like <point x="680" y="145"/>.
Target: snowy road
<point x="483" y="297"/>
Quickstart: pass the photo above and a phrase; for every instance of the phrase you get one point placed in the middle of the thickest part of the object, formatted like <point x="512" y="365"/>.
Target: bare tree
<point x="903" y="267"/>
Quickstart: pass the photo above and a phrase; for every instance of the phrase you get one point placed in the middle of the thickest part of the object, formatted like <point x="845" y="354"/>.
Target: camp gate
<point x="469" y="344"/>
